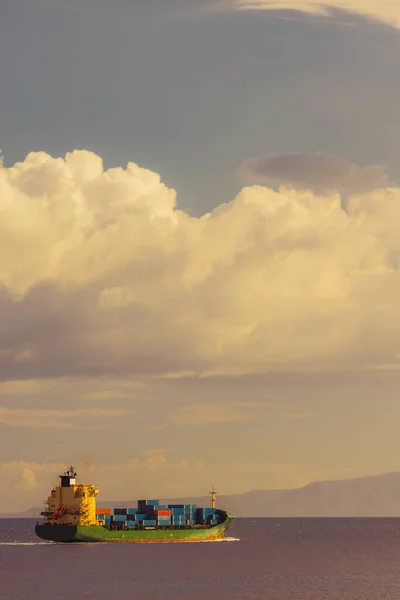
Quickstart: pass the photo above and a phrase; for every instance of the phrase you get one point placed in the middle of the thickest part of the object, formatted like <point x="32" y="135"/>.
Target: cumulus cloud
<point x="320" y="173"/>
<point x="27" y="481"/>
<point x="100" y="274"/>
<point x="386" y="11"/>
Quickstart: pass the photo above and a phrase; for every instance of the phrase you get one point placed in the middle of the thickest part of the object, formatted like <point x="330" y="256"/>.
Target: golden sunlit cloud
<point x="101" y="275"/>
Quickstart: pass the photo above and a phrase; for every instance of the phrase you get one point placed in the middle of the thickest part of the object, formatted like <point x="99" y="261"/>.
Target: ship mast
<point x="69" y="477"/>
<point x="213" y="494"/>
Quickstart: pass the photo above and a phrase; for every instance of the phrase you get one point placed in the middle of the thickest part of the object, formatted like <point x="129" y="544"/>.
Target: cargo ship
<point x="71" y="516"/>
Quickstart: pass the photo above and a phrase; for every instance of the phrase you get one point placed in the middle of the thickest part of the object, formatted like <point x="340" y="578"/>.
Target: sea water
<point x="262" y="559"/>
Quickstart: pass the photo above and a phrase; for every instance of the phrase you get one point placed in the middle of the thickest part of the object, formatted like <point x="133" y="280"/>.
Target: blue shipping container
<point x="131" y="511"/>
<point x="119" y="518"/>
<point x="131" y="523"/>
<point x="120" y="511"/>
<point x="150" y="523"/>
<point x="146" y="502"/>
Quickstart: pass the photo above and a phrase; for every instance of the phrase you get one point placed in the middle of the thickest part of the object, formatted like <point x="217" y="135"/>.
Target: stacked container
<point x="206" y="516"/>
<point x="120" y="511"/>
<point x="119" y="518"/>
<point x="149" y="523"/>
<point x="150" y="513"/>
<point x="104" y="514"/>
<point x="183" y="514"/>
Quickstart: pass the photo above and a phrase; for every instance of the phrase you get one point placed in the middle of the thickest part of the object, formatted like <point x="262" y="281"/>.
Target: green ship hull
<point x="98" y="533"/>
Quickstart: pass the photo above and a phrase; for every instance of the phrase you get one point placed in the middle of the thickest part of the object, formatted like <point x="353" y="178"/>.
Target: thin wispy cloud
<point x="207" y="413"/>
<point x="82" y="418"/>
<point x="107" y="395"/>
<point x="22" y="387"/>
<point x="383" y="10"/>
<point x="300" y="416"/>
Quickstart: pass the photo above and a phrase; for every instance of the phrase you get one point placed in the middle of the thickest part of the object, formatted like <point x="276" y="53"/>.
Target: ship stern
<point x="56" y="533"/>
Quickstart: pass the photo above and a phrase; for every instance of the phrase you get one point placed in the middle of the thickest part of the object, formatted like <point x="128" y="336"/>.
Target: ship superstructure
<point x="71" y="504"/>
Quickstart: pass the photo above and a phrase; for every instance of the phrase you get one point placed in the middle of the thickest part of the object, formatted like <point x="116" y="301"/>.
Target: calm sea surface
<point x="265" y="559"/>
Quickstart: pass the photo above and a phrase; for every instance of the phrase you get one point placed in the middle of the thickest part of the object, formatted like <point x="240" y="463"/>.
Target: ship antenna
<point x="213" y="494"/>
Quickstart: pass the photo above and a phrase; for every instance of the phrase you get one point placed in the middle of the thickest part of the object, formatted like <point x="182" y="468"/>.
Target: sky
<point x="199" y="266"/>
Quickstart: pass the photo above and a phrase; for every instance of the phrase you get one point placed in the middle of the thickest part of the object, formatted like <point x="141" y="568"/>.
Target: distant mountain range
<point x="375" y="496"/>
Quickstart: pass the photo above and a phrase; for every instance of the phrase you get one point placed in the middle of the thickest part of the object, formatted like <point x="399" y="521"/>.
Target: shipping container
<point x="149" y="523"/>
<point x="147" y="502"/>
<point x="103" y="511"/>
<point x="178" y="521"/>
<point x="131" y="511"/>
<point x="120" y="511"/>
<point x="131" y="523"/>
<point x="148" y="508"/>
<point x="140" y="516"/>
<point x="163" y="513"/>
<point x="119" y="518"/>
<point x="178" y="511"/>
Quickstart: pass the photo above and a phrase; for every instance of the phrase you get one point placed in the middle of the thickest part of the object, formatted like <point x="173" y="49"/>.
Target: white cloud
<point x="101" y="275"/>
<point x="387" y="11"/>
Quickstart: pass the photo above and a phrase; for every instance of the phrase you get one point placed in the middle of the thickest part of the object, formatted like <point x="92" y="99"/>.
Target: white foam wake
<point x="24" y="543"/>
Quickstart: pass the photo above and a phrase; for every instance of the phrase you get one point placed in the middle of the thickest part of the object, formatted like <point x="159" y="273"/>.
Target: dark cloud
<point x="321" y="173"/>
